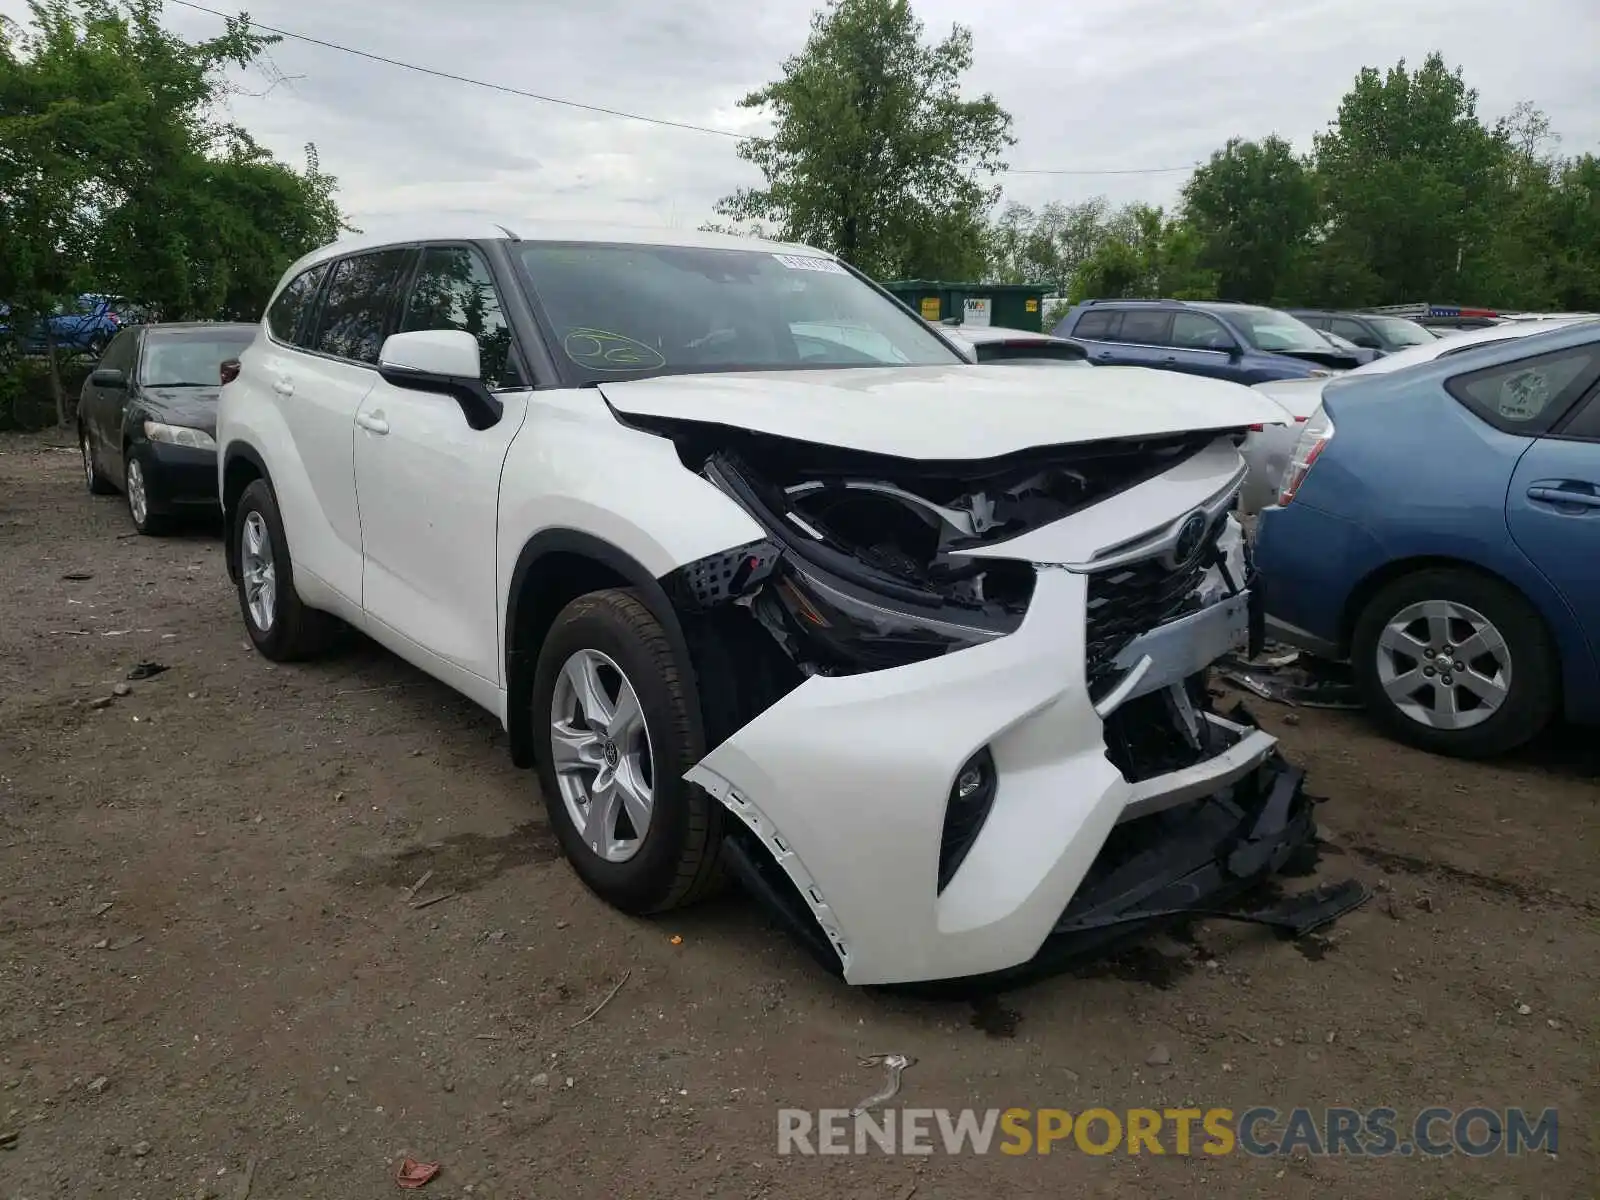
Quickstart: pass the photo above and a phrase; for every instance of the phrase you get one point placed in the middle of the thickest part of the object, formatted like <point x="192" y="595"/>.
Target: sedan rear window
<point x="618" y="311"/>
<point x="191" y="357"/>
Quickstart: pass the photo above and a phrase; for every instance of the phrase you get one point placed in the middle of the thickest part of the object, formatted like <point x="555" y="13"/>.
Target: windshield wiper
<point x="184" y="383"/>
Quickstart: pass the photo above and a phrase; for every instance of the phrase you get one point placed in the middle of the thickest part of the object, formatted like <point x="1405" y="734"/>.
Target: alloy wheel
<point x="600" y="749"/>
<point x="88" y="460"/>
<point x="138" y="498"/>
<point x="1444" y="665"/>
<point x="258" y="571"/>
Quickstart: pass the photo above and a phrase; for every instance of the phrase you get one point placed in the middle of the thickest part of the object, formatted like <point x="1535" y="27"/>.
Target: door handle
<point x="373" y="423"/>
<point x="1564" y="495"/>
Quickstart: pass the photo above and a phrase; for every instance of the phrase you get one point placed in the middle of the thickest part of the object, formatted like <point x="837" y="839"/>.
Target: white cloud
<point x="1139" y="83"/>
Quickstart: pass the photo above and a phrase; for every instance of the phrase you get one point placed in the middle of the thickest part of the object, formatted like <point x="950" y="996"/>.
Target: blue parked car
<point x="1439" y="527"/>
<point x="1243" y="343"/>
<point x="85" y="326"/>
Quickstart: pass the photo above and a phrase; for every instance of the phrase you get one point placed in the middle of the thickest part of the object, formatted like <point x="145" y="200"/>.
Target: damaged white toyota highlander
<point x="769" y="581"/>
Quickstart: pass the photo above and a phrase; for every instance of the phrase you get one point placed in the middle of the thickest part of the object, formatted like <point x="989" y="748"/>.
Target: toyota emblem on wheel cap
<point x="1191" y="537"/>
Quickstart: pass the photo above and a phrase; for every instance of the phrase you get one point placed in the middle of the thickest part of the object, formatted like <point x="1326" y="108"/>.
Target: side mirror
<point x="445" y="362"/>
<point x="1367" y="342"/>
<point x="1234" y="351"/>
<point x="109" y="377"/>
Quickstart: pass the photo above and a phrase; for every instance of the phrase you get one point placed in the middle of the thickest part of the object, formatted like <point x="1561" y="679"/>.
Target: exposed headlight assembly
<point x="179" y="435"/>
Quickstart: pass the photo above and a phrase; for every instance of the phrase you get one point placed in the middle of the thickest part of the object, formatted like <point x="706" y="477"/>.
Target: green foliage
<point x="875" y="153"/>
<point x="116" y="175"/>
<point x="1406" y="196"/>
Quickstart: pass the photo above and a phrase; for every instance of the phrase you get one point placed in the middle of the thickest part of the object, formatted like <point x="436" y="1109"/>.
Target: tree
<point x="1145" y="253"/>
<point x="1048" y="246"/>
<point x="116" y="175"/>
<point x="1409" y="175"/>
<point x="1252" y="208"/>
<point x="875" y="155"/>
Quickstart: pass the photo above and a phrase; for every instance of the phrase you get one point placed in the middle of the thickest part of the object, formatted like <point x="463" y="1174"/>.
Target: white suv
<point x="766" y="578"/>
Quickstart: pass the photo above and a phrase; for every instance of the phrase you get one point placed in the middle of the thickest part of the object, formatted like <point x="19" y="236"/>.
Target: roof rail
<point x="1132" y="300"/>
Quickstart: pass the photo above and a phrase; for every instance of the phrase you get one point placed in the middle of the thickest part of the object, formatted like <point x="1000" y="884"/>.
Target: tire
<point x="96" y="482"/>
<point x="1512" y="688"/>
<point x="677" y="860"/>
<point x="284" y="629"/>
<point x="136" y="489"/>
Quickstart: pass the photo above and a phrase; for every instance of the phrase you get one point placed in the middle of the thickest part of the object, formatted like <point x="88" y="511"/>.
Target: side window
<point x="1145" y="328"/>
<point x="356" y="305"/>
<point x="454" y="290"/>
<point x="287" y="316"/>
<point x="1585" y="423"/>
<point x="1096" y="323"/>
<point x="1196" y="331"/>
<point x="1529" y="396"/>
<point x="1353" y="331"/>
<point x="119" y="354"/>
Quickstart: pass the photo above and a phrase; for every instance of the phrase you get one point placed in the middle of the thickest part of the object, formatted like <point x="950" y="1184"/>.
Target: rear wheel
<point x="280" y="625"/>
<point x="1456" y="663"/>
<point x="92" y="478"/>
<point x="612" y="720"/>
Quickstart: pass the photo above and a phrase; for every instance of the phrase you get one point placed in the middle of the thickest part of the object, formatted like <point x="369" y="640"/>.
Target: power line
<point x="594" y="108"/>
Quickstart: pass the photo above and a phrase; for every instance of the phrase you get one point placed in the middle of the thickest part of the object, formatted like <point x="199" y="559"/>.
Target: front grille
<point x="1127" y="601"/>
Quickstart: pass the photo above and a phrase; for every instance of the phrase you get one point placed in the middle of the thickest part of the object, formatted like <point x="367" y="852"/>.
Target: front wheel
<point x="137" y="480"/>
<point x="280" y="625"/>
<point x="1456" y="663"/>
<point x="612" y="719"/>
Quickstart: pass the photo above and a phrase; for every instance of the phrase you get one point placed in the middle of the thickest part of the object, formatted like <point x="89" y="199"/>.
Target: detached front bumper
<point x="845" y="780"/>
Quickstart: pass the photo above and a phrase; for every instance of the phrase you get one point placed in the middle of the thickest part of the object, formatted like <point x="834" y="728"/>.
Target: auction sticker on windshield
<point x="804" y="262"/>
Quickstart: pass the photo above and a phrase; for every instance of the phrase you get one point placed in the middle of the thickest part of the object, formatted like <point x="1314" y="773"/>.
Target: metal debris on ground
<point x="413" y="1174"/>
<point x="147" y="670"/>
<point x="1289" y="677"/>
<point x="416" y="887"/>
<point x="895" y="1064"/>
<point x="433" y="900"/>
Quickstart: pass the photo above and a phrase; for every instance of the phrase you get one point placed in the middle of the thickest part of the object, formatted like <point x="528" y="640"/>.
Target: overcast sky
<point x="1117" y="86"/>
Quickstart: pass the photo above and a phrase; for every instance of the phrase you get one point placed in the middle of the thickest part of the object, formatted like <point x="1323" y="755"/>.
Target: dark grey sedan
<point x="148" y="413"/>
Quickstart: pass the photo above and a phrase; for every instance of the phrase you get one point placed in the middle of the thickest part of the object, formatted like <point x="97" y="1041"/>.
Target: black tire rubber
<point x="96" y="482"/>
<point x="298" y="632"/>
<point x="1535" y="693"/>
<point x="680" y="860"/>
<point x="155" y="524"/>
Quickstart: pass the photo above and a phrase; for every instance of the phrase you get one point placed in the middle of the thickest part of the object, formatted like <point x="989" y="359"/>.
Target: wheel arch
<point x="241" y="466"/>
<point x="1361" y="595"/>
<point x="555" y="567"/>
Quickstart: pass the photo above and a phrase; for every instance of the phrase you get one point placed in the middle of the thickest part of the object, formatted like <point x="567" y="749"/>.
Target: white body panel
<point x="851" y="774"/>
<point x="957" y="412"/>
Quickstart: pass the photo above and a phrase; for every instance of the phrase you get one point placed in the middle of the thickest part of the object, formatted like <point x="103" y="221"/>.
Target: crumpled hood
<point x="953" y="412"/>
<point x="193" y="407"/>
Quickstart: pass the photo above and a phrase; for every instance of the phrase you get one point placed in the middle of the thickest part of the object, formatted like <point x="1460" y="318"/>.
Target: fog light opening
<point x="966" y="808"/>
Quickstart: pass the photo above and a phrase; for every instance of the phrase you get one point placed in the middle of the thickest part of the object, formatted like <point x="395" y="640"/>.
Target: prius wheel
<point x="612" y="718"/>
<point x="137" y="490"/>
<point x="280" y="625"/>
<point x="92" y="478"/>
<point x="1456" y="663"/>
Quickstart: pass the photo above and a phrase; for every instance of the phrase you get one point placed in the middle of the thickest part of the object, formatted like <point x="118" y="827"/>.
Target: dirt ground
<point x="213" y="983"/>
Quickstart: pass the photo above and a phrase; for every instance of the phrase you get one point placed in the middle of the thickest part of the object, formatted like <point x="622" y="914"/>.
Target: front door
<point x="428" y="484"/>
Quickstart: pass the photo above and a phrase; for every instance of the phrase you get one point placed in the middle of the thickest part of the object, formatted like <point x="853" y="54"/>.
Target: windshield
<point x="1398" y="331"/>
<point x="1277" y="332"/>
<point x="623" y="311"/>
<point x="191" y="358"/>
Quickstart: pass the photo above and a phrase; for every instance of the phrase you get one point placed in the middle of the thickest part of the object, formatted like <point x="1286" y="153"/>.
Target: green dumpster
<point x="1008" y="305"/>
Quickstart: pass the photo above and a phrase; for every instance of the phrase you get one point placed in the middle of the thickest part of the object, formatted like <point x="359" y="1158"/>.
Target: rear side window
<point x="1145" y="328"/>
<point x="356" y="306"/>
<point x="1529" y="396"/>
<point x="454" y="290"/>
<point x="287" y="316"/>
<point x="1097" y="323"/>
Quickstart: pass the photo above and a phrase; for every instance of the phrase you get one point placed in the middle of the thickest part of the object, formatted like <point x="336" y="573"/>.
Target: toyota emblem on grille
<point x="1191" y="538"/>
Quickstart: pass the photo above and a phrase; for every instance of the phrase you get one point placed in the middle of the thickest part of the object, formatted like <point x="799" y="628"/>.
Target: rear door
<point x="1142" y="339"/>
<point x="1553" y="503"/>
<point x="1097" y="329"/>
